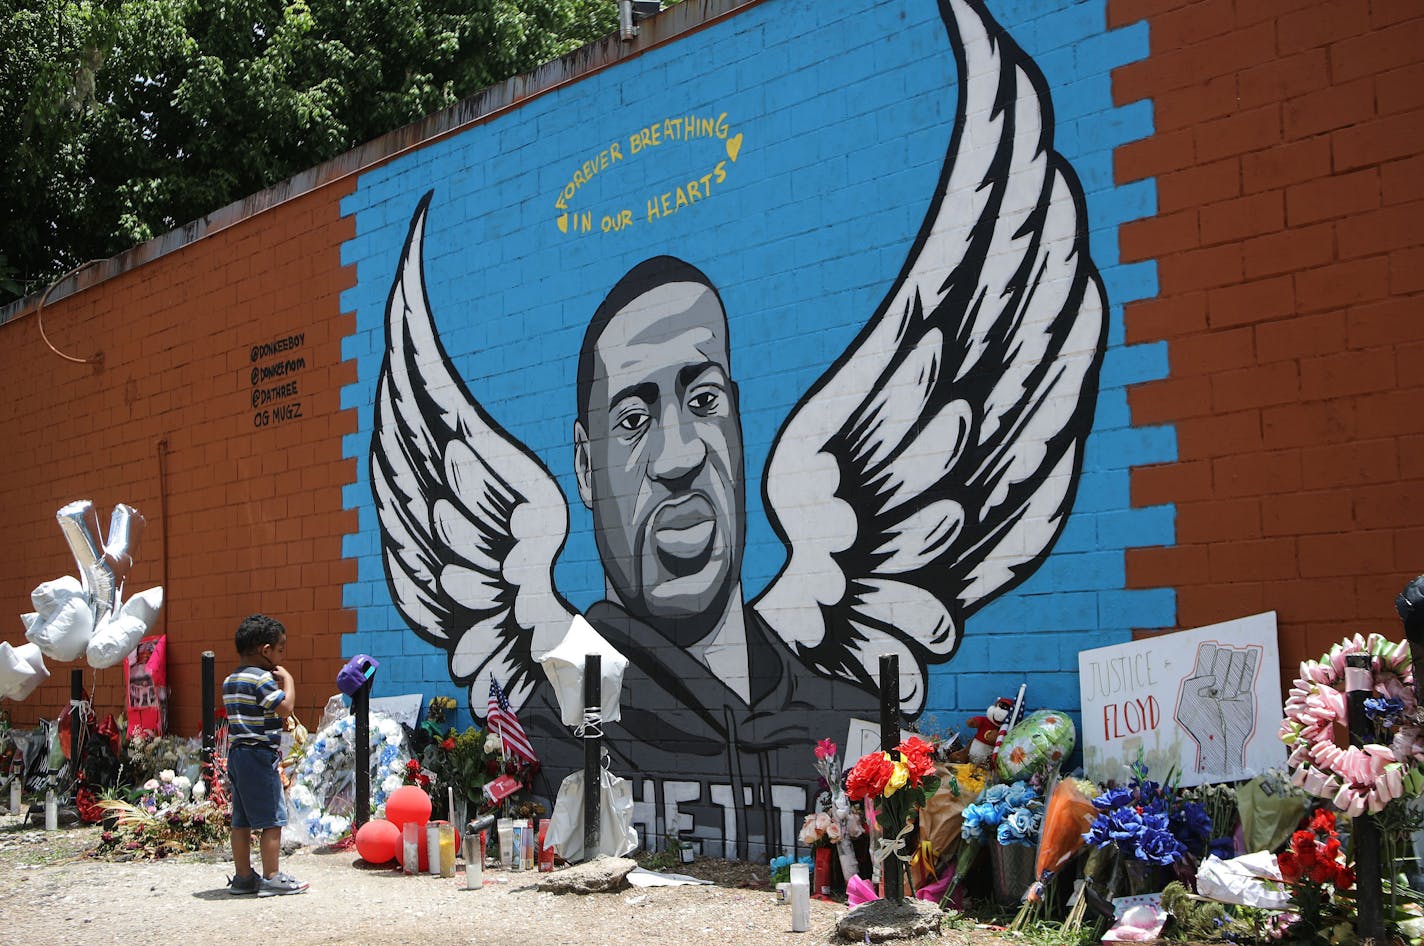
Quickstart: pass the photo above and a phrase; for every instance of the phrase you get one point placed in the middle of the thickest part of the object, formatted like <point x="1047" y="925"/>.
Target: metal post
<point x="890" y="868"/>
<point x="76" y="722"/>
<point x="592" y="750"/>
<point x="1369" y="891"/>
<point x="361" y="707"/>
<point x="209" y="716"/>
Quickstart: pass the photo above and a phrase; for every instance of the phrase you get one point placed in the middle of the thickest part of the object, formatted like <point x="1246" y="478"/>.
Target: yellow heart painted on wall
<point x="734" y="146"/>
<point x="563" y="223"/>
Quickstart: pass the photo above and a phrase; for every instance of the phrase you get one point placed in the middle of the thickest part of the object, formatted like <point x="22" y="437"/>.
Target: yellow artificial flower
<point x="898" y="778"/>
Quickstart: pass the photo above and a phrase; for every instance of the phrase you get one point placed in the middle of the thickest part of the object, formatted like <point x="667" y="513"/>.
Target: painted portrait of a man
<point x="928" y="470"/>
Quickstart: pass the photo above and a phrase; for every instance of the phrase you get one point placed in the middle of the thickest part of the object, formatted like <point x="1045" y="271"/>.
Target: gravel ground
<point x="52" y="893"/>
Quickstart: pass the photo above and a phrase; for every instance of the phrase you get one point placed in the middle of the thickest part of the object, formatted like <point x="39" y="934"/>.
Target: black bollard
<point x="76" y="722"/>
<point x="592" y="750"/>
<point x="1369" y="891"/>
<point x="361" y="707"/>
<point x="890" y="868"/>
<point x="209" y="716"/>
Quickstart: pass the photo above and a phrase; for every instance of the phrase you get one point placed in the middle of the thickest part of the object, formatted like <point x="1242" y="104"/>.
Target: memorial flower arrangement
<point x="1358" y="779"/>
<point x="1145" y="821"/>
<point x="896" y="783"/>
<point x="1318" y="879"/>
<point x="170" y="815"/>
<point x="1008" y="814"/>
<point x="321" y="800"/>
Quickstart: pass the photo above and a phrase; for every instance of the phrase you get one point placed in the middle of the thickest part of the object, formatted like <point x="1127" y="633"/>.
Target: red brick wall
<point x="1289" y="161"/>
<point x="253" y="518"/>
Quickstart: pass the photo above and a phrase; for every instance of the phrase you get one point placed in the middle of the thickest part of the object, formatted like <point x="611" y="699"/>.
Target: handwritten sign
<point x="697" y="185"/>
<point x="1206" y="701"/>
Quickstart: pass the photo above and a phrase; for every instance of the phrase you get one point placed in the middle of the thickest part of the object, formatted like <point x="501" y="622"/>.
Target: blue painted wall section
<point x="842" y="112"/>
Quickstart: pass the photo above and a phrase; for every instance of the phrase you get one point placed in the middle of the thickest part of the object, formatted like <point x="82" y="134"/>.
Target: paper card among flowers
<point x="1206" y="702"/>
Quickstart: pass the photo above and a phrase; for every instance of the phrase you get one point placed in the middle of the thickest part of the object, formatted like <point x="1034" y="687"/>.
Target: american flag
<point x="502" y="720"/>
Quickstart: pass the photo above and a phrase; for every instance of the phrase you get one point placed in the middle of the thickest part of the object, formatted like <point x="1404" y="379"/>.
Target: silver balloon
<point x="102" y="568"/>
<point x="125" y="529"/>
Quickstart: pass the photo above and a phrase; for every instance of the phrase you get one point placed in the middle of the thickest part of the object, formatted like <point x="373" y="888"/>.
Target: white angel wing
<point x="934" y="465"/>
<point x="471" y="521"/>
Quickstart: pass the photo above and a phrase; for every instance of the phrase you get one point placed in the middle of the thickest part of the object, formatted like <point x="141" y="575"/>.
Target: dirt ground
<point x="53" y="894"/>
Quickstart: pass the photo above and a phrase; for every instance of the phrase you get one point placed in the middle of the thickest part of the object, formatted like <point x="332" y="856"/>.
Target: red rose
<point x="1307" y="855"/>
<point x="1323" y="820"/>
<point x="1289" y="867"/>
<point x="412" y="766"/>
<point x="1344" y="878"/>
<point x="869" y="776"/>
<point x="1323" y="872"/>
<point x="1302" y="840"/>
<point x="449" y="744"/>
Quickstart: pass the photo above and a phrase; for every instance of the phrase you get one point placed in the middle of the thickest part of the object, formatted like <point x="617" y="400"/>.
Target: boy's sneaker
<point x="244" y="884"/>
<point x="280" y="884"/>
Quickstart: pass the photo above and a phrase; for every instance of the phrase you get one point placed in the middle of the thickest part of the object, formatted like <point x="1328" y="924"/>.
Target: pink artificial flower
<point x="825" y="749"/>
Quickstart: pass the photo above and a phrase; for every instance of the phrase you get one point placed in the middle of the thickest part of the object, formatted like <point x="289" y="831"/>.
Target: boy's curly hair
<point x="256" y="630"/>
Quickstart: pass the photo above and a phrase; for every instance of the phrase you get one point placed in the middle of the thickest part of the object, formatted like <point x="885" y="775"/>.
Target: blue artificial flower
<point x="1384" y="711"/>
<point x="979" y="820"/>
<point x="1224" y="848"/>
<point x="1020" y="794"/>
<point x="1113" y="798"/>
<point x="994" y="794"/>
<point x="1017" y="827"/>
<point x="1191" y="825"/>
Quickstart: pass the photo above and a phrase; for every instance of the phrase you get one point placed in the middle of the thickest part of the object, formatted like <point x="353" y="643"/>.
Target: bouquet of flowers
<point x="781" y="867"/>
<point x="897" y="783"/>
<point x="1010" y="814"/>
<point x="1146" y="821"/>
<point x="321" y="800"/>
<point x="172" y="814"/>
<point x="834" y="822"/>
<point x="1314" y="869"/>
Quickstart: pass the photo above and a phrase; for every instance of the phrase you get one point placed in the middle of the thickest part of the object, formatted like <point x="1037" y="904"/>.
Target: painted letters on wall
<point x="616" y="324"/>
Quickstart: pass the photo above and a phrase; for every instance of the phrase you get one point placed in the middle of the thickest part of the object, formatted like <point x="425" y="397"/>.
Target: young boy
<point x="258" y="695"/>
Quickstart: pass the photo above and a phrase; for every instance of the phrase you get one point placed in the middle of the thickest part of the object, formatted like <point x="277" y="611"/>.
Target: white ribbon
<point x="896" y="845"/>
<point x="592" y="725"/>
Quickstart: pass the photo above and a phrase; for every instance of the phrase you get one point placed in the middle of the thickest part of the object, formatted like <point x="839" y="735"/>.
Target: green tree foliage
<point x="132" y="117"/>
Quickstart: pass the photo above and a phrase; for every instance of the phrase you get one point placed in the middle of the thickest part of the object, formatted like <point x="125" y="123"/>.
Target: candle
<point x="432" y="848"/>
<point x="410" y="847"/>
<point x="447" y="850"/>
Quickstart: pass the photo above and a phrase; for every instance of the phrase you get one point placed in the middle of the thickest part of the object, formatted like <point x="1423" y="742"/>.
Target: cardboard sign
<point x="1206" y="702"/>
<point x="403" y="709"/>
<point x="501" y="788"/>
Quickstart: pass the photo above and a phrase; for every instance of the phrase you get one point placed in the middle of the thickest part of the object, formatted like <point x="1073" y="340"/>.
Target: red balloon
<point x="408" y="803"/>
<point x="377" y="841"/>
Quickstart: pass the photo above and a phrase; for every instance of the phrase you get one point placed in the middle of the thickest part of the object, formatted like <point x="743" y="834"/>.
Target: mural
<point x="930" y="469"/>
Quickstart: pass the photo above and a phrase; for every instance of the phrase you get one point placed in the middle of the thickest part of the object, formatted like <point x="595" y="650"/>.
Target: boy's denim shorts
<point x="257" y="799"/>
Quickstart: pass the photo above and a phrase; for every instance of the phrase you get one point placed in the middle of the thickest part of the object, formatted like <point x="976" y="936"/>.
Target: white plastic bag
<point x="616" y="835"/>
<point x="563" y="665"/>
<point x="1242" y="880"/>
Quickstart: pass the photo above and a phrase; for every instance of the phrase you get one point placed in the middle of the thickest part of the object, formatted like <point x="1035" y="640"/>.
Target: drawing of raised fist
<point x="1217" y="705"/>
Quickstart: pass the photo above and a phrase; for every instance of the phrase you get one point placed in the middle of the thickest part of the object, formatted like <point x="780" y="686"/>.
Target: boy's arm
<point x="289" y="692"/>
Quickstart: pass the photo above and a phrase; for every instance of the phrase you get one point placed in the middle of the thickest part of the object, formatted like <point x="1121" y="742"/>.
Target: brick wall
<point x="251" y="514"/>
<point x="1287" y="157"/>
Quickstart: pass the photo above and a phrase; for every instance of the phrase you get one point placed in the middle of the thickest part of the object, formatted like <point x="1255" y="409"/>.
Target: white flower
<point x="200" y="791"/>
<point x="182" y="783"/>
<point x="492" y="743"/>
<point x="391" y="783"/>
<point x="150" y="785"/>
<point x="166" y="775"/>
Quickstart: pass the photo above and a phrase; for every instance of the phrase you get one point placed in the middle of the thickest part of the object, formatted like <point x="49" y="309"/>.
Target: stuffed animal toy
<point x="986" y="729"/>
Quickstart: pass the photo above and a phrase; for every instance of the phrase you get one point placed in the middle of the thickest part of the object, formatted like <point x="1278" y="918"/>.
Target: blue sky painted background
<point x="845" y="112"/>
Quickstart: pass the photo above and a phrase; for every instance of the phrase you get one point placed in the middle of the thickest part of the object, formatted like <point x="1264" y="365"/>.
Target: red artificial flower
<point x="918" y="757"/>
<point x="1306" y="854"/>
<point x="1289" y="867"/>
<point x="423" y="780"/>
<point x="825" y="749"/>
<point x="1344" y="878"/>
<point x="1323" y="821"/>
<point x="449" y="744"/>
<point x="1302" y="839"/>
<point x="869" y="776"/>
<point x="413" y="766"/>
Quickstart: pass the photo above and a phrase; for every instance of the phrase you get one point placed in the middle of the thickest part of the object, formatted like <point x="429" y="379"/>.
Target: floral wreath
<point x="1365" y="778"/>
<point x="320" y="802"/>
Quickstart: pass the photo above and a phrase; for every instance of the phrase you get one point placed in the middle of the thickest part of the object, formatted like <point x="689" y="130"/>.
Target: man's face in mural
<point x="658" y="453"/>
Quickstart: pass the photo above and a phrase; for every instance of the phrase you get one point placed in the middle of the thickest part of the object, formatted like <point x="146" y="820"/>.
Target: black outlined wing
<point x="933" y="466"/>
<point x="471" y="521"/>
